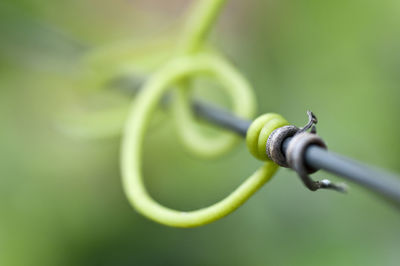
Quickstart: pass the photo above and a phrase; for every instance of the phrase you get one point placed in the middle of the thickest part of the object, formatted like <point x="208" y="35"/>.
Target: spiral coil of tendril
<point x="138" y="121"/>
<point x="176" y="73"/>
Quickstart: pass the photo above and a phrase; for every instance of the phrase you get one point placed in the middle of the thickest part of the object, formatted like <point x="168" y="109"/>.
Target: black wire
<point x="376" y="180"/>
<point x="382" y="183"/>
<point x="220" y="117"/>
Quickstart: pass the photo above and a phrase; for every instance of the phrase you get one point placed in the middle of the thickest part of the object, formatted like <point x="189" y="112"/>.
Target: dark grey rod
<point x="381" y="182"/>
<point x="221" y="117"/>
<point x="376" y="180"/>
<point x="384" y="184"/>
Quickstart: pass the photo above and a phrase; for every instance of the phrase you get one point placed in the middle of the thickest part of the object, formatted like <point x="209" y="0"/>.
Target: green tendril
<point x="243" y="102"/>
<point x="135" y="131"/>
<point x="199" y="24"/>
<point x="259" y="131"/>
<point x="203" y="17"/>
<point x="190" y="62"/>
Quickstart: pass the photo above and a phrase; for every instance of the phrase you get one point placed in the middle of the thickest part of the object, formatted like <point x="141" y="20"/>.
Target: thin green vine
<point x="199" y="25"/>
<point x="190" y="61"/>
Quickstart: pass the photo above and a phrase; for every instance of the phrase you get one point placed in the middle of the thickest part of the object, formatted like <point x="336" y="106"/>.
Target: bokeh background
<point x="61" y="200"/>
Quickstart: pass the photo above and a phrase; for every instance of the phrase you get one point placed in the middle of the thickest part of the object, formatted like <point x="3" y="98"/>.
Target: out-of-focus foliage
<point x="61" y="201"/>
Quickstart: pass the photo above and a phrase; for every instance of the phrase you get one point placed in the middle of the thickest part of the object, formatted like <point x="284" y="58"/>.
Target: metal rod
<point x="220" y="117"/>
<point x="377" y="180"/>
<point x="384" y="184"/>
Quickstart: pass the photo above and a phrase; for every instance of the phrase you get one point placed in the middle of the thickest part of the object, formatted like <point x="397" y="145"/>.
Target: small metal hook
<point x="296" y="151"/>
<point x="312" y="121"/>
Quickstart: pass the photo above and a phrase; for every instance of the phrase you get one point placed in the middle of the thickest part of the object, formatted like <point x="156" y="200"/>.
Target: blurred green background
<point x="61" y="200"/>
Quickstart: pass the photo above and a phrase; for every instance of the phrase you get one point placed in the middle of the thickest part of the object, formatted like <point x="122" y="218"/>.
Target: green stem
<point x="200" y="23"/>
<point x="191" y="62"/>
<point x="201" y="19"/>
<point x="137" y="124"/>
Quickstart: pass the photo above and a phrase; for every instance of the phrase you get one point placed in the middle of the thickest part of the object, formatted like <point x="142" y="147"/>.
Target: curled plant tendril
<point x="259" y="131"/>
<point x="189" y="63"/>
<point x="138" y="121"/>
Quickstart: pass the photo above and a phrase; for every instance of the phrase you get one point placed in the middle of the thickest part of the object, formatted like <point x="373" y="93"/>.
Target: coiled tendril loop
<point x="187" y="65"/>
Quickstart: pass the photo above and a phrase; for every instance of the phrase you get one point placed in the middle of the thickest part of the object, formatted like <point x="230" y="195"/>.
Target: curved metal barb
<point x="296" y="151"/>
<point x="312" y="121"/>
